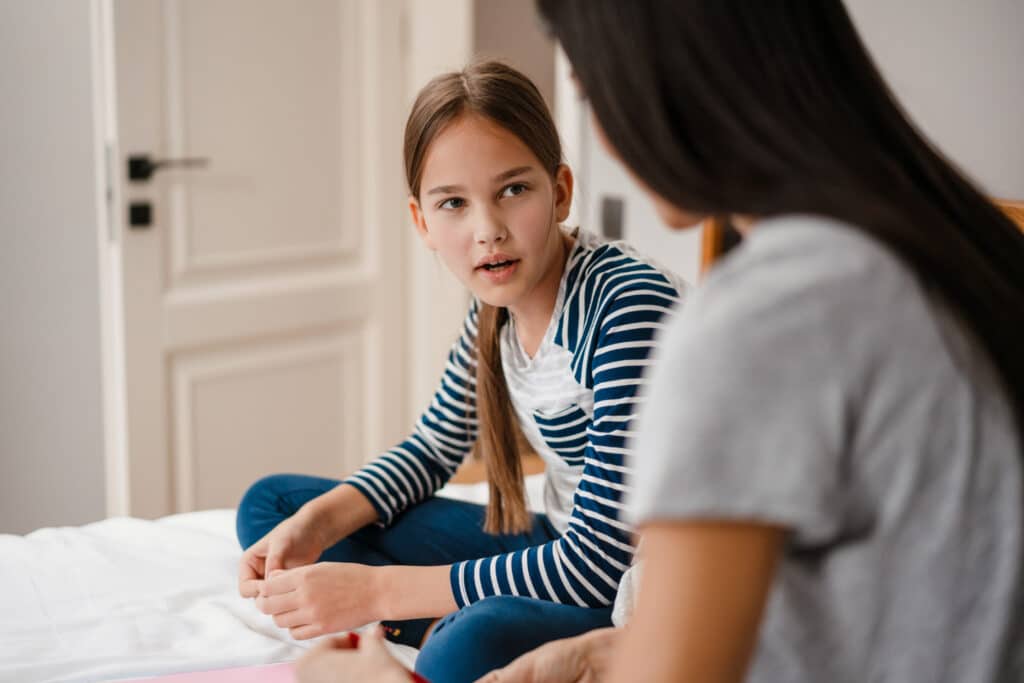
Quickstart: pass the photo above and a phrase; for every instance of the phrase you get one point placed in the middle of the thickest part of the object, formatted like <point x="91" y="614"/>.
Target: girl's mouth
<point x="499" y="271"/>
<point x="499" y="265"/>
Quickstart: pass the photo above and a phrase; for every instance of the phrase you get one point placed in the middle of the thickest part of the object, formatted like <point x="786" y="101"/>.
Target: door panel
<point x="265" y="88"/>
<point x="291" y="404"/>
<point x="263" y="324"/>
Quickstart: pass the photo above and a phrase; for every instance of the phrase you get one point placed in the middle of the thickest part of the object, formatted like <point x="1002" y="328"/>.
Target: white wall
<point x="51" y="424"/>
<point x="957" y="68"/>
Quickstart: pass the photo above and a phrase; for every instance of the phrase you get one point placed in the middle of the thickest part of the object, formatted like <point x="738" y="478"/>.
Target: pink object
<point x="269" y="673"/>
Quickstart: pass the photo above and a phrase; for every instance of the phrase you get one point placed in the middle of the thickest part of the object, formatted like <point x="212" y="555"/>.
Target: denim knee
<point x="258" y="510"/>
<point x="472" y="641"/>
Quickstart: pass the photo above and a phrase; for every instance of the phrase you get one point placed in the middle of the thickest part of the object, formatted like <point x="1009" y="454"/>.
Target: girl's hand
<point x="321" y="598"/>
<point x="583" y="659"/>
<point x="295" y="542"/>
<point x="339" y="660"/>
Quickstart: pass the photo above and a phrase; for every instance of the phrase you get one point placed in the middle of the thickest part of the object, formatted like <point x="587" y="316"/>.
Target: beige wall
<point x="51" y="423"/>
<point x="510" y="30"/>
<point x="954" y="64"/>
<point x="957" y="68"/>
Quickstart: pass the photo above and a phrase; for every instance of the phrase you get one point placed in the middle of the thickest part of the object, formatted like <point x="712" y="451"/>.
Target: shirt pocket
<point x="565" y="432"/>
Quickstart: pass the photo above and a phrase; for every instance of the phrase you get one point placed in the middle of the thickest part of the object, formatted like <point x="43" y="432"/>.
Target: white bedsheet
<point x="126" y="598"/>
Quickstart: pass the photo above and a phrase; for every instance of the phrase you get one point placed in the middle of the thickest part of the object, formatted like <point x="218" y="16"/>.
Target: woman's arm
<point x="704" y="589"/>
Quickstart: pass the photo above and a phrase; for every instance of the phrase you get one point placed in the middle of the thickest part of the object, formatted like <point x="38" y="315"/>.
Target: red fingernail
<point x="353" y="639"/>
<point x="417" y="678"/>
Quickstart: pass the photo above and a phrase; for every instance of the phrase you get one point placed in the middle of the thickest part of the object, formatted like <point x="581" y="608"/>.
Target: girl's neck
<point x="533" y="315"/>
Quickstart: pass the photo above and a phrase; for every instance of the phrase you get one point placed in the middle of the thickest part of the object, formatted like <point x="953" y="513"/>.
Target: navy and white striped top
<point x="611" y="304"/>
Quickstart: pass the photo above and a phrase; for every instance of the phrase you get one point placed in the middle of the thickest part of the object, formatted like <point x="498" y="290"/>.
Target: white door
<point x="263" y="301"/>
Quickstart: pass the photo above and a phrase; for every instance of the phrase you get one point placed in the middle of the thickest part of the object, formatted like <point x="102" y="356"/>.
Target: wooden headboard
<point x="714" y="235"/>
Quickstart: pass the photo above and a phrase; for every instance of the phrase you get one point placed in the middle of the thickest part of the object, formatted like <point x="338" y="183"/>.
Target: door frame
<point x="110" y="226"/>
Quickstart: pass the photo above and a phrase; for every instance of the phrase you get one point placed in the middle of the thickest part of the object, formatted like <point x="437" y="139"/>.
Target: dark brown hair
<point x="765" y="109"/>
<point x="505" y="96"/>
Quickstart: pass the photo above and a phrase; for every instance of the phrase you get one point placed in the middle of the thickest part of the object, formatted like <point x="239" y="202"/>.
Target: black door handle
<point x="141" y="167"/>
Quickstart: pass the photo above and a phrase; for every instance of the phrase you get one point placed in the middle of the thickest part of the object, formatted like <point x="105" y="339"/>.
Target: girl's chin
<point x="501" y="289"/>
<point x="500" y="297"/>
<point x="496" y="301"/>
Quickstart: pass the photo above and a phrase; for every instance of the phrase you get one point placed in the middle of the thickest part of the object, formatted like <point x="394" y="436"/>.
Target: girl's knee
<point x="258" y="509"/>
<point x="472" y="641"/>
<point x="262" y="490"/>
<point x="481" y="618"/>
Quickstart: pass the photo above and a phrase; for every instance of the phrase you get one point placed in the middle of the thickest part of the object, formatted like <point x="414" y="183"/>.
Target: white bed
<point x="127" y="598"/>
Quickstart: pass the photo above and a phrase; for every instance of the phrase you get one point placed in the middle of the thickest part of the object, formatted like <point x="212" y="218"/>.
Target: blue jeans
<point x="465" y="644"/>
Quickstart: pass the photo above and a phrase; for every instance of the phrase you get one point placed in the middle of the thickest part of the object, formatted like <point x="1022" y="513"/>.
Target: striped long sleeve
<point x="609" y="323"/>
<point x="411" y="471"/>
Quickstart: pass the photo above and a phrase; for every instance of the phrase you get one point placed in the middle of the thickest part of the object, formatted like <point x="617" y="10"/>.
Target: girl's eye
<point x="453" y="203"/>
<point x="514" y="189"/>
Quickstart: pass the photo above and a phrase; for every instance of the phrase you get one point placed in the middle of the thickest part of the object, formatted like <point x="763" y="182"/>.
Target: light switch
<point x="612" y="215"/>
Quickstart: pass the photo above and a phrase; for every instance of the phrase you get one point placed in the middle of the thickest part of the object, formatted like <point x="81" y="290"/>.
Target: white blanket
<point x="126" y="598"/>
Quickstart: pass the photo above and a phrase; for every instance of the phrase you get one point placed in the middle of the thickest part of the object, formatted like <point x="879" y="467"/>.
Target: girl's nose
<point x="491" y="229"/>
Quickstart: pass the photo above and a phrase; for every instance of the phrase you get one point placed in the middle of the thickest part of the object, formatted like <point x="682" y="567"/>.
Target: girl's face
<point x="489" y="209"/>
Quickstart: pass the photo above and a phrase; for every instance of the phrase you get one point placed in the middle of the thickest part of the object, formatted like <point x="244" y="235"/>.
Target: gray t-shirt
<point x="812" y="383"/>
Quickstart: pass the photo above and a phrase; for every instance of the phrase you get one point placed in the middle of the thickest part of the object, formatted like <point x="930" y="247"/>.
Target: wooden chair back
<point x="714" y="236"/>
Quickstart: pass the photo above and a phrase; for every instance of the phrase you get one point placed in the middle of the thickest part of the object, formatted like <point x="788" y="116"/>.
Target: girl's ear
<point x="420" y="223"/>
<point x="563" y="192"/>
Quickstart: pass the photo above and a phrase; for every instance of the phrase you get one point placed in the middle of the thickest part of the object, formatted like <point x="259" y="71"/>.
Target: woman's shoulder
<point x="812" y="267"/>
<point x="812" y="297"/>
<point x="812" y="249"/>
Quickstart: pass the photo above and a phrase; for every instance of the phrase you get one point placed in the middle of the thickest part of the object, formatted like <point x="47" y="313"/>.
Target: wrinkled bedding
<point x="127" y="598"/>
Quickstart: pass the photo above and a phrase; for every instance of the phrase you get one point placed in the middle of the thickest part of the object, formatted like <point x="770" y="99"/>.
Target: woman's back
<point x="813" y="384"/>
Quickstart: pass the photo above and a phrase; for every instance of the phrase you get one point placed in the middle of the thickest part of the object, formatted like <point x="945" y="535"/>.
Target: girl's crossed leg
<point x="438" y="531"/>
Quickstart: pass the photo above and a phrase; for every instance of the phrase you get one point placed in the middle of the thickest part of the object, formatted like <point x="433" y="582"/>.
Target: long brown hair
<point x="505" y="96"/>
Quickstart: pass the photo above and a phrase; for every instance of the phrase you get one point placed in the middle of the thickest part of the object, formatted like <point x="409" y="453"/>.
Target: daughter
<point x="554" y="344"/>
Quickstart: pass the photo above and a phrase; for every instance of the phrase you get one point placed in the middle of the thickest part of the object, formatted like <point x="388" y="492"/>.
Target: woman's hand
<point x="583" y="659"/>
<point x="295" y="542"/>
<point x="321" y="598"/>
<point x="339" y="660"/>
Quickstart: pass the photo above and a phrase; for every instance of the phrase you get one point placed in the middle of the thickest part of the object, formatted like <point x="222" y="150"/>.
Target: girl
<point x="831" y="481"/>
<point x="559" y="331"/>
